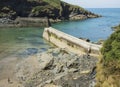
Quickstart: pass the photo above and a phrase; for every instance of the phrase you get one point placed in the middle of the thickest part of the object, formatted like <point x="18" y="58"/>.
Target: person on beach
<point x="9" y="81"/>
<point x="88" y="51"/>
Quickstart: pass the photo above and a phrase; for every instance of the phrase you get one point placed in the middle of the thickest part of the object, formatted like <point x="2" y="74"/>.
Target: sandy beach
<point x="7" y="70"/>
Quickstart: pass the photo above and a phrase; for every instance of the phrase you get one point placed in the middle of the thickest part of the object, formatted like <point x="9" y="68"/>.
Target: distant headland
<point x="23" y="13"/>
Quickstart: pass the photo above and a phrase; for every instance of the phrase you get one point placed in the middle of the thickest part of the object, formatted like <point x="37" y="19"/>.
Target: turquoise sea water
<point x="94" y="29"/>
<point x="27" y="41"/>
<point x="21" y="42"/>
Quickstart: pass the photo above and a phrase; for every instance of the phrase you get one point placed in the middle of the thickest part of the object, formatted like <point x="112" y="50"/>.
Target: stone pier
<point x="70" y="43"/>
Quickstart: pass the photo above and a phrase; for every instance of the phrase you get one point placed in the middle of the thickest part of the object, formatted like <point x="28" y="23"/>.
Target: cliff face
<point x="54" y="9"/>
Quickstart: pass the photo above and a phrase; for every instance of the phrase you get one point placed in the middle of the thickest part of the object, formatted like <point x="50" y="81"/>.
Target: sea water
<point x="94" y="28"/>
<point x="27" y="41"/>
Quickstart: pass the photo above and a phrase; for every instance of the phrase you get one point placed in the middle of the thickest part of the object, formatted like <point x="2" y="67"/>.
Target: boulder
<point x="45" y="61"/>
<point x="33" y="64"/>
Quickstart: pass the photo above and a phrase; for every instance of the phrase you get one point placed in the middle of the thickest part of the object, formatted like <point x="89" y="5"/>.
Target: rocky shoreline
<point x="57" y="68"/>
<point x="23" y="22"/>
<point x="36" y="21"/>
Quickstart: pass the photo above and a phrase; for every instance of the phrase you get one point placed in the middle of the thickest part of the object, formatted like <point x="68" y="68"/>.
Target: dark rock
<point x="93" y="73"/>
<point x="73" y="63"/>
<point x="85" y="39"/>
<point x="6" y="21"/>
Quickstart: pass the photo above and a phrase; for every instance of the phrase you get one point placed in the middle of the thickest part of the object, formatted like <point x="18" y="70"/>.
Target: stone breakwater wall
<point x="32" y="21"/>
<point x="70" y="43"/>
<point x="24" y="22"/>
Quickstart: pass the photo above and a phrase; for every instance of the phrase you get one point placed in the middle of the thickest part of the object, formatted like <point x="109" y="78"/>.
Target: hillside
<point x="54" y="9"/>
<point x="108" y="72"/>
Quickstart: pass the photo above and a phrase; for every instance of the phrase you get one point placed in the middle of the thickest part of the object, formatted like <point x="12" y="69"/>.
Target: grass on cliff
<point x="57" y="4"/>
<point x="54" y="3"/>
<point x="39" y="8"/>
<point x="108" y="71"/>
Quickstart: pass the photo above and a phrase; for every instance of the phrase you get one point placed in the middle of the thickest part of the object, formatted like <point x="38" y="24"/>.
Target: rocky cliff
<point x="54" y="9"/>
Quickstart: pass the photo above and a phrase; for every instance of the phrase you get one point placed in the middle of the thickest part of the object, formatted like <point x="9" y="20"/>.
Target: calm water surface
<point x="21" y="42"/>
<point x="27" y="41"/>
<point x="94" y="29"/>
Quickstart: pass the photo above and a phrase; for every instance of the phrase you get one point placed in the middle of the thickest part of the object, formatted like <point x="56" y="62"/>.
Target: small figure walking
<point x="89" y="49"/>
<point x="88" y="52"/>
<point x="9" y="81"/>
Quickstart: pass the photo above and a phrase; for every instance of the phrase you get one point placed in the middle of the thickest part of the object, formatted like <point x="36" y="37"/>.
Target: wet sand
<point x="7" y="68"/>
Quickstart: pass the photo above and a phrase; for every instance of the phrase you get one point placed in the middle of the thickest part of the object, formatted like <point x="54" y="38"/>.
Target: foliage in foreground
<point x="108" y="69"/>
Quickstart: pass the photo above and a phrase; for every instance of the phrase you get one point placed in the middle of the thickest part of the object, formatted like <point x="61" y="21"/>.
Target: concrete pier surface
<point x="71" y="43"/>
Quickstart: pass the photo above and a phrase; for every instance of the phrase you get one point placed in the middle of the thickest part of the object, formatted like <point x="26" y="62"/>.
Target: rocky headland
<point x="37" y="12"/>
<point x="54" y="68"/>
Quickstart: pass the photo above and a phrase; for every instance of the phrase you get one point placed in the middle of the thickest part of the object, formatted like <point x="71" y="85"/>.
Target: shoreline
<point x="7" y="72"/>
<point x="37" y="21"/>
<point x="52" y="73"/>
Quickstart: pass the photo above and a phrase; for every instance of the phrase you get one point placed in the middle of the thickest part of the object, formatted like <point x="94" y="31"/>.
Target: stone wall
<point x="69" y="42"/>
<point x="31" y="21"/>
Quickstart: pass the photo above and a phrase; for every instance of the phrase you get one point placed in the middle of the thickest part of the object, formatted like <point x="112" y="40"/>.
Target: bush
<point x="111" y="47"/>
<point x="108" y="69"/>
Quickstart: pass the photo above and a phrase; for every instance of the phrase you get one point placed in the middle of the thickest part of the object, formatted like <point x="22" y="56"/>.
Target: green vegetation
<point x="111" y="48"/>
<point x="108" y="71"/>
<point x="54" y="3"/>
<point x="54" y="9"/>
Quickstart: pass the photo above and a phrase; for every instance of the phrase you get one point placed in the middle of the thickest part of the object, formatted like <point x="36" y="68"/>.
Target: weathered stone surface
<point x="70" y="43"/>
<point x="45" y="61"/>
<point x="51" y="85"/>
<point x="55" y="66"/>
<point x="31" y="21"/>
<point x="78" y="17"/>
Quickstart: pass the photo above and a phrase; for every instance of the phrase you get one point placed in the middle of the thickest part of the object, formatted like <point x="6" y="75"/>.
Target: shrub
<point x="108" y="71"/>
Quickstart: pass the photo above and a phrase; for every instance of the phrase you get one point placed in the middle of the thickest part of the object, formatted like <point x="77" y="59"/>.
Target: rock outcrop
<point x="57" y="67"/>
<point x="55" y="10"/>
